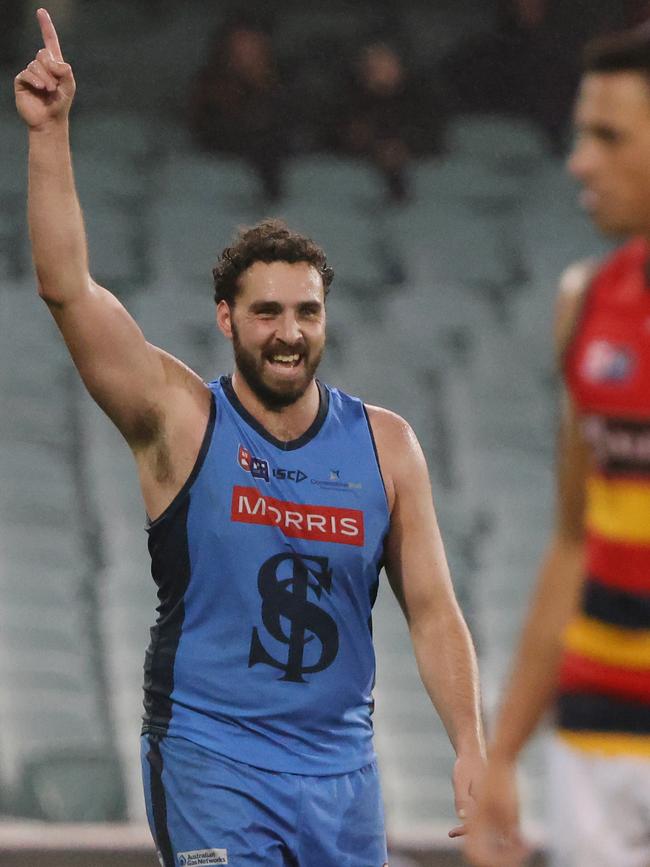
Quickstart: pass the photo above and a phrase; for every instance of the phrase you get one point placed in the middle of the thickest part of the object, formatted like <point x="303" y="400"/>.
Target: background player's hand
<point x="468" y="769"/>
<point x="493" y="837"/>
<point x="45" y="88"/>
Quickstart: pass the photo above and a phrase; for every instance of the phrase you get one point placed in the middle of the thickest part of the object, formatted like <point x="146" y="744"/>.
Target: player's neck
<point x="286" y="424"/>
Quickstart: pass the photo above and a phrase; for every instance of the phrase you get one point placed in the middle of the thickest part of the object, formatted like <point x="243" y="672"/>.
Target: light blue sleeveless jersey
<point x="267" y="567"/>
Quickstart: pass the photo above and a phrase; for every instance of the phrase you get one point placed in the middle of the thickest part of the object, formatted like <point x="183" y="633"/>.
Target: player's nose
<point x="580" y="163"/>
<point x="288" y="329"/>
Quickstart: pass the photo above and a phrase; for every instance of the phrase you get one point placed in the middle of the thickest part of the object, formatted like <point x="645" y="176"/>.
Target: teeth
<point x="286" y="359"/>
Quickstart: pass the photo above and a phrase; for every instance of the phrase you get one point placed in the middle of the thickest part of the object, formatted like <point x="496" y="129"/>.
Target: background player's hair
<point x="268" y="241"/>
<point x="627" y="51"/>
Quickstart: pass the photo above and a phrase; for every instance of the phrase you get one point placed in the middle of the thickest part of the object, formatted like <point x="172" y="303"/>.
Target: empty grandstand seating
<point x="56" y="751"/>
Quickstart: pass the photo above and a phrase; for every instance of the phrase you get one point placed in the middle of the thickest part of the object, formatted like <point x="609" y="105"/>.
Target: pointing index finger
<point x="50" y="39"/>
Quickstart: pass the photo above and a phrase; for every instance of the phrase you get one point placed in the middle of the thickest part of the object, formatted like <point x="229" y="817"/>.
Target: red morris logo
<point x="298" y="520"/>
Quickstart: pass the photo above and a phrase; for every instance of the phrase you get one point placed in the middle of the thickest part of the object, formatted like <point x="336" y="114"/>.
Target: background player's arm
<point x="417" y="570"/>
<point x="130" y="379"/>
<point x="494" y="835"/>
<point x="534" y="677"/>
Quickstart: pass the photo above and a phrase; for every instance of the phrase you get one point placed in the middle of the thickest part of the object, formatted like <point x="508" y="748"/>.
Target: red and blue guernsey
<point x="604" y="700"/>
<point x="267" y="565"/>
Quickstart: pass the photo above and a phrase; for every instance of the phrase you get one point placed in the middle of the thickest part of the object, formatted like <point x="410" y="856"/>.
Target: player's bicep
<point x="415" y="559"/>
<point x="123" y="373"/>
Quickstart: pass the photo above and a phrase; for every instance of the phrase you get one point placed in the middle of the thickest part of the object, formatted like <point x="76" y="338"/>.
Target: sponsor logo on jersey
<point x="202" y="857"/>
<point x="257" y="467"/>
<point x="605" y="362"/>
<point x="260" y="469"/>
<point x="290" y="475"/>
<point x="334" y="482"/>
<point x="298" y="520"/>
<point x="620" y="445"/>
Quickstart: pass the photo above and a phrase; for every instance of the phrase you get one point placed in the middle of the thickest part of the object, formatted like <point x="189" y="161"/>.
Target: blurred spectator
<point x="389" y="115"/>
<point x="531" y="65"/>
<point x="637" y="11"/>
<point x="239" y="103"/>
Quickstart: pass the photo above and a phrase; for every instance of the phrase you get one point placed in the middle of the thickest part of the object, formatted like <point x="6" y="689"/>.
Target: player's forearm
<point x="449" y="671"/>
<point x="532" y="685"/>
<point x="56" y="225"/>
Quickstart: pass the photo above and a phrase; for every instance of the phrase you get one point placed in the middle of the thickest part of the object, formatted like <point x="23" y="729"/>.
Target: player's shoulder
<point x="400" y="457"/>
<point x="578" y="276"/>
<point x="386" y="419"/>
<point x="573" y="286"/>
<point x="392" y="433"/>
<point x="575" y="280"/>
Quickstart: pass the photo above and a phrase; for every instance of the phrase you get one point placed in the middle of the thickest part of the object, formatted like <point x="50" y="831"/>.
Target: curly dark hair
<point x="268" y="241"/>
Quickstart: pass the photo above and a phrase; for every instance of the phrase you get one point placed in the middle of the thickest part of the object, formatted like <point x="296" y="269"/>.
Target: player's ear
<point x="224" y="319"/>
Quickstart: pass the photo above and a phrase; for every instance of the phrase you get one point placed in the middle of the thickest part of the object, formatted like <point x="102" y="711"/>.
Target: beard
<point x="274" y="397"/>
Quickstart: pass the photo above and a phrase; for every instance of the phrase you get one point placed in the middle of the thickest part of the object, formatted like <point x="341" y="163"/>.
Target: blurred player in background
<point x="257" y="738"/>
<point x="586" y="644"/>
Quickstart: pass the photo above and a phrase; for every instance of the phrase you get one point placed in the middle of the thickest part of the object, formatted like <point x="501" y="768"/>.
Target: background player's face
<point x="611" y="157"/>
<point x="277" y="326"/>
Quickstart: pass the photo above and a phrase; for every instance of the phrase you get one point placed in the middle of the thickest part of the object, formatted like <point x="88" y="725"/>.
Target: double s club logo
<point x="285" y="582"/>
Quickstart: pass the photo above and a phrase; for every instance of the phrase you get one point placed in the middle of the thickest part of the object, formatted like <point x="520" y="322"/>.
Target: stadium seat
<point x="509" y="144"/>
<point x="334" y="182"/>
<point x="465" y="180"/>
<point x="351" y="241"/>
<point x="448" y="243"/>
<point x="213" y="180"/>
<point x="110" y="135"/>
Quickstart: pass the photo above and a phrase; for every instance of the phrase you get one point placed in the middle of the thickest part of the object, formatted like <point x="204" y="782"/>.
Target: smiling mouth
<point x="285" y="360"/>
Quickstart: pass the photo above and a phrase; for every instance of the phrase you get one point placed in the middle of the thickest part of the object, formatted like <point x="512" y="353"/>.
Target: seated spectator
<point x="531" y="65"/>
<point x="637" y="12"/>
<point x="389" y="116"/>
<point x="239" y="104"/>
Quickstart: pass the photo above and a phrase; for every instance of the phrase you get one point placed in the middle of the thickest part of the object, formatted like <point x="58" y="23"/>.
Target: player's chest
<point x="610" y="372"/>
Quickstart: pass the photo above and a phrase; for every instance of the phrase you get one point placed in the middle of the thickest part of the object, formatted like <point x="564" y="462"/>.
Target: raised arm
<point x="418" y="573"/>
<point x="494" y="838"/>
<point x="144" y="391"/>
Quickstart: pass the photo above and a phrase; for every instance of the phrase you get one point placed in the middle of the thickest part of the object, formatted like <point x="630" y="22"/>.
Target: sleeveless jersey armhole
<point x="376" y="453"/>
<point x="196" y="469"/>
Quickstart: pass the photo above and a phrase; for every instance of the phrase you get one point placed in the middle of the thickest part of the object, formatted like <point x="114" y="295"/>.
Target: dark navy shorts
<point x="206" y="809"/>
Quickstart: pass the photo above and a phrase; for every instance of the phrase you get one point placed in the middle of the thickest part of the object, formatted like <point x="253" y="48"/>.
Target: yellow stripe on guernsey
<point x="608" y="744"/>
<point x="628" y="648"/>
<point x="619" y="510"/>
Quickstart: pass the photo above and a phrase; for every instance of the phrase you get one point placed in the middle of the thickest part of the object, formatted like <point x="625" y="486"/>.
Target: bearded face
<point x="278" y="374"/>
<point x="277" y="326"/>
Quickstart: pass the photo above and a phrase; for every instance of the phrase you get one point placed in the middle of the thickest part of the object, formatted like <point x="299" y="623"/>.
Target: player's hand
<point x="468" y="769"/>
<point x="45" y="88"/>
<point x="493" y="838"/>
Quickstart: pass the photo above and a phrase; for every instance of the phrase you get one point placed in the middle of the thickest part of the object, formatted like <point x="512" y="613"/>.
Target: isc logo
<point x="291" y="475"/>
